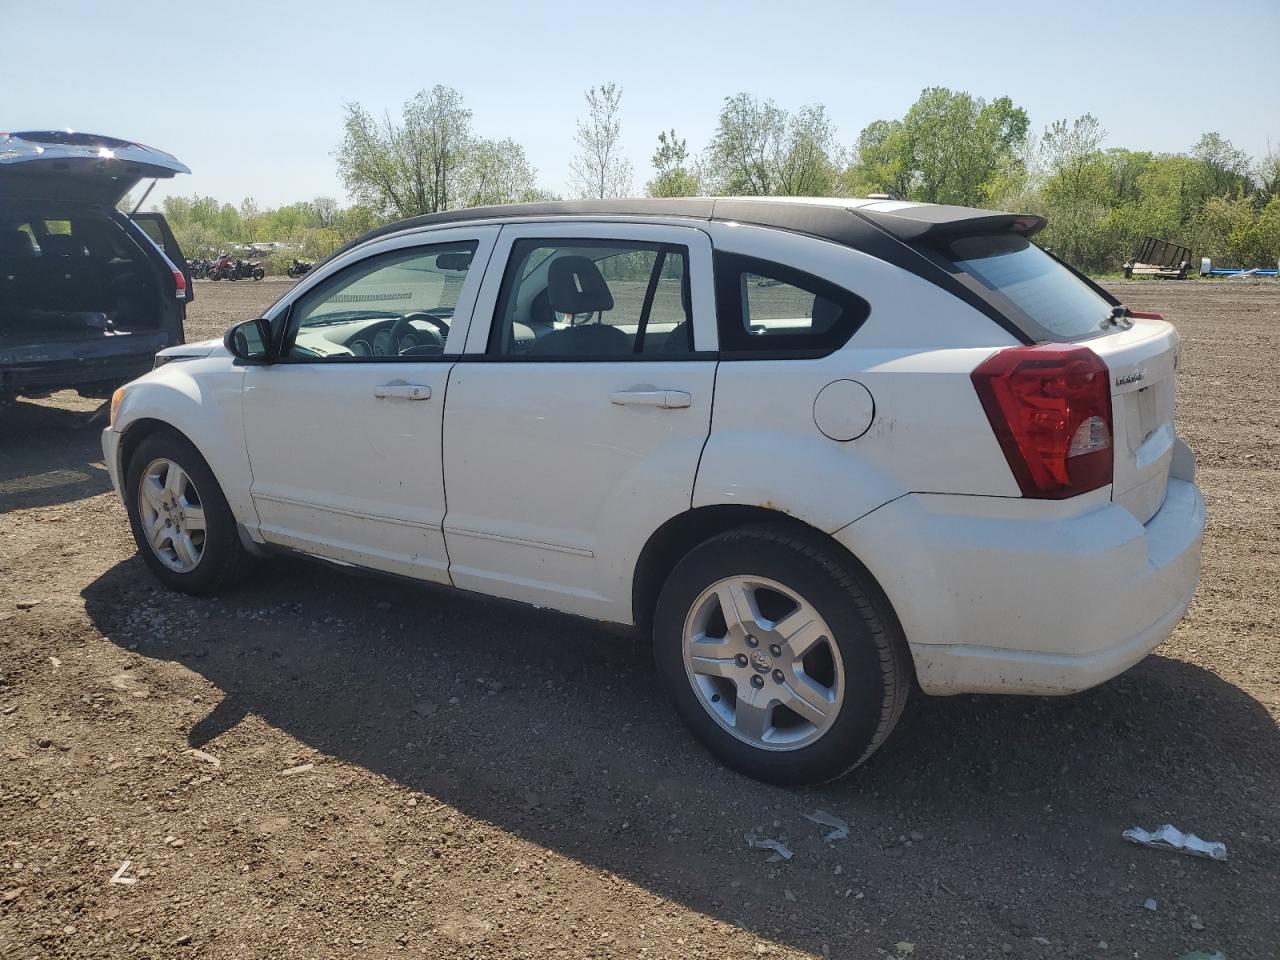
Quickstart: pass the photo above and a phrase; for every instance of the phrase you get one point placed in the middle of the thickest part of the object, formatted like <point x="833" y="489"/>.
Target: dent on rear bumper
<point x="1012" y="603"/>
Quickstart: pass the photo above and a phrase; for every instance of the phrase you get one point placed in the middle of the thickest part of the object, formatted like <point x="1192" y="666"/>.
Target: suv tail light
<point x="1050" y="408"/>
<point x="179" y="283"/>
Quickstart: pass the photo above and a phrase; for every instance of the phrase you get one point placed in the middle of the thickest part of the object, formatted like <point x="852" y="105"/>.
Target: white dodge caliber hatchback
<point x="818" y="449"/>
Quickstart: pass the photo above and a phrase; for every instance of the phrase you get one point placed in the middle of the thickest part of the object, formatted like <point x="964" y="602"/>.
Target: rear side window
<point x="1040" y="287"/>
<point x="768" y="310"/>
<point x="594" y="299"/>
<point x="152" y="230"/>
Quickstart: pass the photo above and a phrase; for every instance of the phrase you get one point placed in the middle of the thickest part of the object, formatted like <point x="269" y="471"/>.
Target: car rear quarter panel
<point x="914" y="354"/>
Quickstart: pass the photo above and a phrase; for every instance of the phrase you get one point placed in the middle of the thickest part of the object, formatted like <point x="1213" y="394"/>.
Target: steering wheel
<point x="403" y="328"/>
<point x="440" y="323"/>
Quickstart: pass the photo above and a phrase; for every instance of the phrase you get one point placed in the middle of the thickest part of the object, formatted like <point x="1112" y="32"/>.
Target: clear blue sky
<point x="253" y="103"/>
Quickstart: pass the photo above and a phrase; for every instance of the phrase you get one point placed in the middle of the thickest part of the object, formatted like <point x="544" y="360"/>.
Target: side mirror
<point x="250" y="341"/>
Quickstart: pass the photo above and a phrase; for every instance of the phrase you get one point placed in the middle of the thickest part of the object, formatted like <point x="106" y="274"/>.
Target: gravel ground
<point x="334" y="766"/>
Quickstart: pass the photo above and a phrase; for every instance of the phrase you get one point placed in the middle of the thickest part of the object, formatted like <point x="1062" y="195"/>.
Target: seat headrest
<point x="574" y="285"/>
<point x="826" y="314"/>
<point x="61" y="245"/>
<point x="16" y="243"/>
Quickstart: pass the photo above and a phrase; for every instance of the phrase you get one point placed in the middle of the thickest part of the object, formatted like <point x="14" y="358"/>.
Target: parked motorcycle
<point x="248" y="270"/>
<point x="299" y="268"/>
<point x="221" y="269"/>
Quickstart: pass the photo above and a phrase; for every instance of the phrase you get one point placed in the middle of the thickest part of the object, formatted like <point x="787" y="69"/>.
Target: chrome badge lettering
<point x="1131" y="377"/>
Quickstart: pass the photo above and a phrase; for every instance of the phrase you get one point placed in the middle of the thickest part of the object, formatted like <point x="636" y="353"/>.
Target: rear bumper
<point x="63" y="374"/>
<point x="995" y="599"/>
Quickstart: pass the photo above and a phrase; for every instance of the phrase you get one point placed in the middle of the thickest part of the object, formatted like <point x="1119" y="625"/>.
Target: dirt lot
<point x="387" y="770"/>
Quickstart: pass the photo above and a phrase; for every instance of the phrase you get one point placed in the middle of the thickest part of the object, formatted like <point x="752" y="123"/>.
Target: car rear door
<point x="155" y="226"/>
<point x="579" y="410"/>
<point x="343" y="431"/>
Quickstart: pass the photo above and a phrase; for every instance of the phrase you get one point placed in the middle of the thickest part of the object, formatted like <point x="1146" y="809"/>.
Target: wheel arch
<point x="672" y="541"/>
<point x="132" y="436"/>
<point x="201" y="405"/>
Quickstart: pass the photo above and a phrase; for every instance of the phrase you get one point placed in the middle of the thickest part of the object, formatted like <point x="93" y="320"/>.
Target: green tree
<point x="759" y="149"/>
<point x="748" y="148"/>
<point x="408" y="168"/>
<point x="497" y="171"/>
<point x="810" y="166"/>
<point x="1076" y="192"/>
<point x="1225" y="169"/>
<point x="949" y="148"/>
<point x="882" y="161"/>
<point x="599" y="170"/>
<point x="1267" y="173"/>
<point x="673" y="177"/>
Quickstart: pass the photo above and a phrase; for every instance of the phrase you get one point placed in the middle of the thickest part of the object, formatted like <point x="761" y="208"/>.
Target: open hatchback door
<point x="84" y="167"/>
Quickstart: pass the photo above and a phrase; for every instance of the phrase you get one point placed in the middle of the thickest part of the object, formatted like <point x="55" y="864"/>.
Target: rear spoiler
<point x="931" y="222"/>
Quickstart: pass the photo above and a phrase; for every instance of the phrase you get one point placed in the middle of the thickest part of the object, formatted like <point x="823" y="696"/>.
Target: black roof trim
<point x="697" y="208"/>
<point x="827" y="221"/>
<point x="898" y="237"/>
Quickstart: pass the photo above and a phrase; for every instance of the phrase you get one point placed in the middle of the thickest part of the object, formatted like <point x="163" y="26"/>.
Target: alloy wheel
<point x="172" y="515"/>
<point x="762" y="662"/>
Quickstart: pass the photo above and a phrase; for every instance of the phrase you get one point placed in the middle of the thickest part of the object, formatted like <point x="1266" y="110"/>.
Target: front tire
<point x="181" y="521"/>
<point x="780" y="656"/>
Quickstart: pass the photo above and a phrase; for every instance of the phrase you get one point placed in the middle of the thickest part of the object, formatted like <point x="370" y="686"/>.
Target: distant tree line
<point x="949" y="147"/>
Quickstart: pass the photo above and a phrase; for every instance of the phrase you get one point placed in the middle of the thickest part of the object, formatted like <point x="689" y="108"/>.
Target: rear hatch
<point x="63" y="165"/>
<point x="1143" y="361"/>
<point x="1045" y="301"/>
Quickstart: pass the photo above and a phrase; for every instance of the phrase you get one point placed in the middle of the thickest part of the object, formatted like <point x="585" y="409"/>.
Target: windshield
<point x="1039" y="286"/>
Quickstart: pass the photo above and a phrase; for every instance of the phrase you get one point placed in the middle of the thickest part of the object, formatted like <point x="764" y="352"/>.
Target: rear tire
<point x="799" y="594"/>
<point x="193" y="545"/>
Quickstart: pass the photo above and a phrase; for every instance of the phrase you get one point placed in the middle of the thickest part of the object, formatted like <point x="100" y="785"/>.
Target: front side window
<point x="767" y="308"/>
<point x="392" y="306"/>
<point x="593" y="299"/>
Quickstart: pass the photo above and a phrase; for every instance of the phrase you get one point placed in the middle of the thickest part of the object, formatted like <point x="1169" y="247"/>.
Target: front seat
<point x="576" y="287"/>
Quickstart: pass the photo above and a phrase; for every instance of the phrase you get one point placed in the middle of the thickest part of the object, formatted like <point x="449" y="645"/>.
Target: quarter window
<point x="593" y="299"/>
<point x="767" y="308"/>
<point x="395" y="306"/>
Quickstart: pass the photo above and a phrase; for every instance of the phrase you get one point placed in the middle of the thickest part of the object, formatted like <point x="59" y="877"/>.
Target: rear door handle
<point x="402" y="391"/>
<point x="666" y="399"/>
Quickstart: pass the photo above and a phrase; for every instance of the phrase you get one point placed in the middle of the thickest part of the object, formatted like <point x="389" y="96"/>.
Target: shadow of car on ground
<point x="979" y="810"/>
<point x="50" y="455"/>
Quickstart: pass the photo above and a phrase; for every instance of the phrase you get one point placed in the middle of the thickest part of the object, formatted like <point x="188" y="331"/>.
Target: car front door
<point x="578" y="414"/>
<point x="344" y="430"/>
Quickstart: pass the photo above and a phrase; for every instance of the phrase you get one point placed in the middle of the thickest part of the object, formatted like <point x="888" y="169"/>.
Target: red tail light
<point x="1146" y="316"/>
<point x="179" y="283"/>
<point x="1050" y="408"/>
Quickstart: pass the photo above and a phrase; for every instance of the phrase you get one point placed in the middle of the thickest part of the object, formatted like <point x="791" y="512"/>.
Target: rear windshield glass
<point x="1046" y="291"/>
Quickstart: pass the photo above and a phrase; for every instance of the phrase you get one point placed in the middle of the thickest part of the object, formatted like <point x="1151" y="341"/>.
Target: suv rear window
<point x="1043" y="289"/>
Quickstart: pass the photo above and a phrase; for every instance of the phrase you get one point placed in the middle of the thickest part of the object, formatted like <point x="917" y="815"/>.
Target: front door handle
<point x="666" y="399"/>
<point x="402" y="391"/>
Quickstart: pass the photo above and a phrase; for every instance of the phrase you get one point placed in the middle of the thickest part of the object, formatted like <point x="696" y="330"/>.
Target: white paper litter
<point x="119" y="876"/>
<point x="840" y="831"/>
<point x="780" y="852"/>
<point x="1170" y="837"/>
